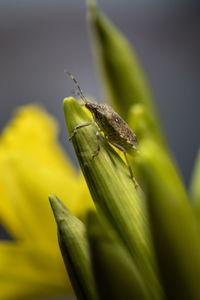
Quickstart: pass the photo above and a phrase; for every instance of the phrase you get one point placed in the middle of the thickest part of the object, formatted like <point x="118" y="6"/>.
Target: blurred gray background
<point x="40" y="38"/>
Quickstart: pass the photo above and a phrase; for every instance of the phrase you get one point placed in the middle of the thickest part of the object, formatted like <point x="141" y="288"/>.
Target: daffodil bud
<point x="123" y="78"/>
<point x="75" y="250"/>
<point x="173" y="225"/>
<point x="195" y="188"/>
<point x="114" y="193"/>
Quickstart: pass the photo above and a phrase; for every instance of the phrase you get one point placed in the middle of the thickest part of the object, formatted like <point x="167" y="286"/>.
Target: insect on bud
<point x="115" y="129"/>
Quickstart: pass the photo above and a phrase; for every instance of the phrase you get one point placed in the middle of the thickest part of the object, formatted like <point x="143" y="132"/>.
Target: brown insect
<point x="115" y="129"/>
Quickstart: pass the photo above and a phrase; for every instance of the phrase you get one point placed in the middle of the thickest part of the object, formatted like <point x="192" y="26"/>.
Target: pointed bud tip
<point x="59" y="209"/>
<point x="92" y="9"/>
<point x="52" y="200"/>
<point x="55" y="201"/>
<point x="91" y="4"/>
<point x="68" y="100"/>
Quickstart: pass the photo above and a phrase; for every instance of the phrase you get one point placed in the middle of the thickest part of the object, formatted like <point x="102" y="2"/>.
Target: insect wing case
<point x="114" y="127"/>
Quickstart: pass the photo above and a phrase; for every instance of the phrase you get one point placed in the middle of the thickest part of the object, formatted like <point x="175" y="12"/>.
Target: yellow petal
<point x="28" y="272"/>
<point x="28" y="184"/>
<point x="34" y="132"/>
<point x="33" y="165"/>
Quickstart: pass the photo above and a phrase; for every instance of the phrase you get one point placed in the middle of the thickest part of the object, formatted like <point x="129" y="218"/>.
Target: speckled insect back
<point x="115" y="129"/>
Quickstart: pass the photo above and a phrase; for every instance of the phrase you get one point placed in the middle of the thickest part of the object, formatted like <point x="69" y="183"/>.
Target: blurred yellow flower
<point x="33" y="165"/>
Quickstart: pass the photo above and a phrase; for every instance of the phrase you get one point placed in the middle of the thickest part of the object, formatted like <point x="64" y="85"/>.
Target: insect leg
<point x="98" y="145"/>
<point x="127" y="161"/>
<point x="130" y="170"/>
<point x="78" y="127"/>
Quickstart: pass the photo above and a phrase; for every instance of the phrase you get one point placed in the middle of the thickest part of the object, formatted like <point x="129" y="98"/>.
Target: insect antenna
<point x="76" y="93"/>
<point x="80" y="93"/>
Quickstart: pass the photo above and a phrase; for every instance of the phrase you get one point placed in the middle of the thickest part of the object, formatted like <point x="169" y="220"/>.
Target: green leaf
<point x="114" y="193"/>
<point x="174" y="228"/>
<point x="144" y="126"/>
<point x="117" y="277"/>
<point x="75" y="250"/>
<point x="195" y="188"/>
<point x="123" y="76"/>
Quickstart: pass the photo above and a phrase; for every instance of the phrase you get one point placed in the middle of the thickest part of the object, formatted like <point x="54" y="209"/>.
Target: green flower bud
<point x="114" y="193"/>
<point x="75" y="251"/>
